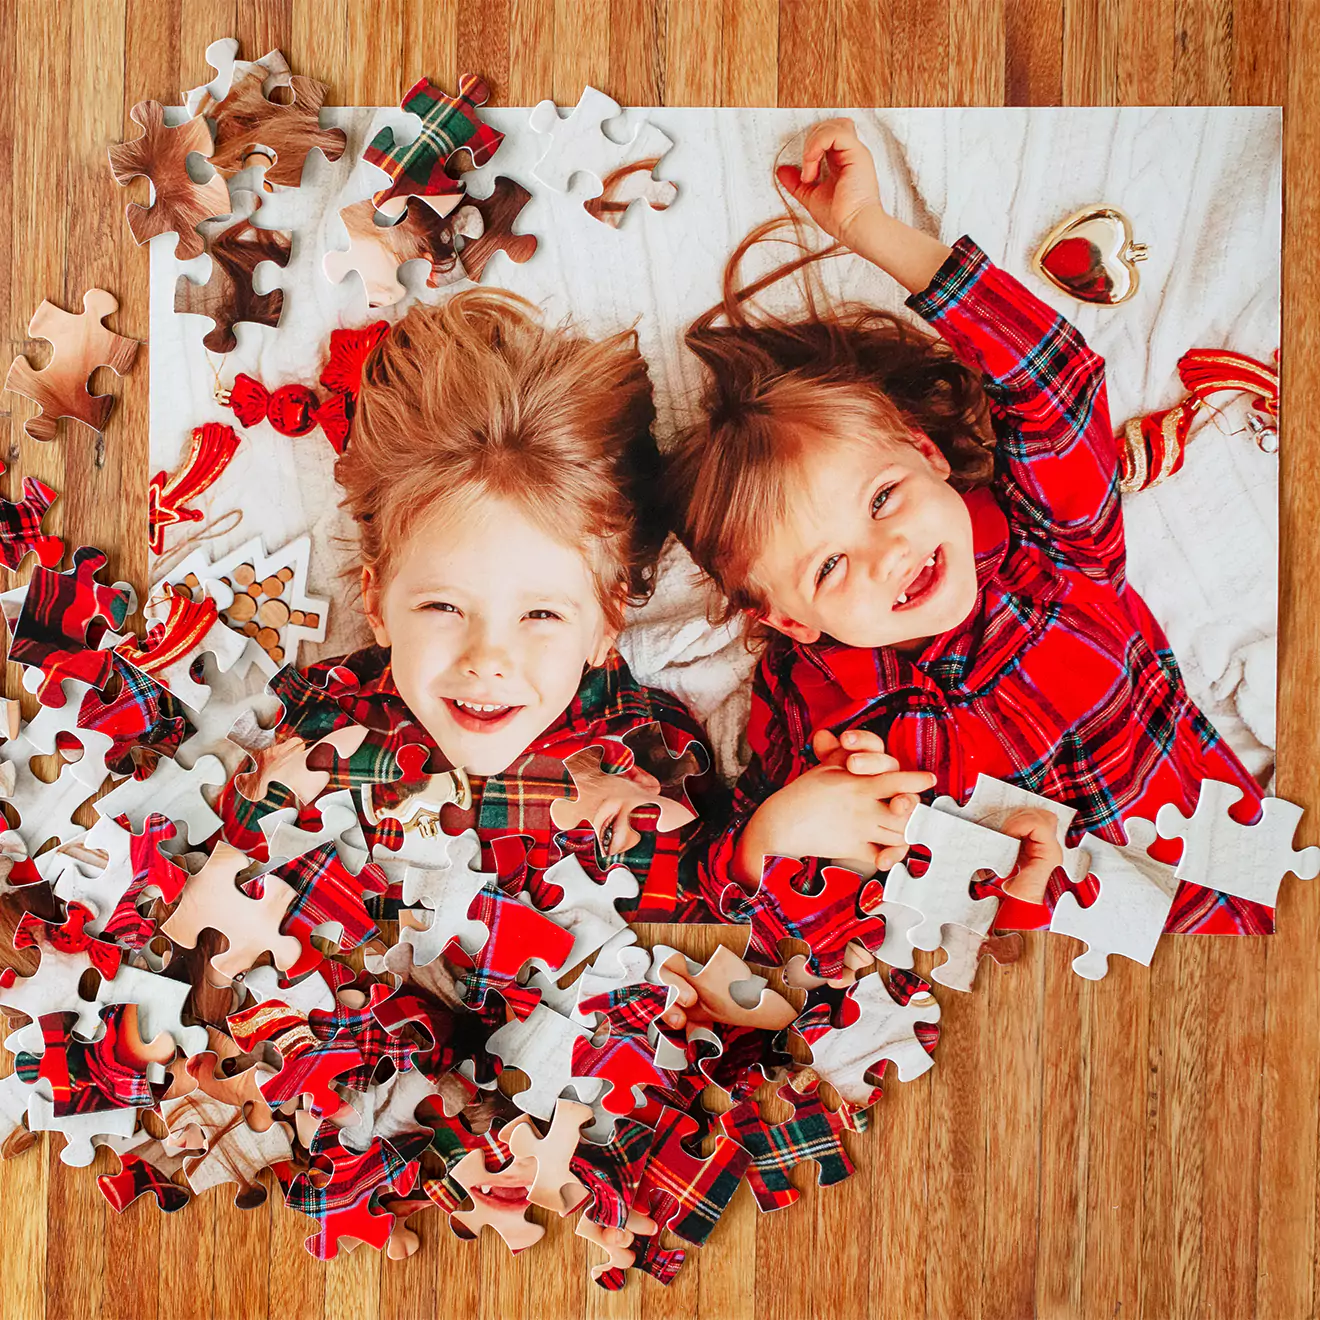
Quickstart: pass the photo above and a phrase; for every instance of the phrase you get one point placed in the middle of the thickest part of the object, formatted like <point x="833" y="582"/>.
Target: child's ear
<point x="371" y="603"/>
<point x="930" y="451"/>
<point x="799" y="632"/>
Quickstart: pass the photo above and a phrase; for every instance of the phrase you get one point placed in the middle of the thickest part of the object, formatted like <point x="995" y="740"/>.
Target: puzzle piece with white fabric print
<point x="1246" y="861"/>
<point x="45" y="809"/>
<point x="446" y="884"/>
<point x="959" y="849"/>
<point x="172" y="792"/>
<point x="882" y="1029"/>
<point x="339" y="825"/>
<point x="578" y="144"/>
<point x="1128" y="915"/>
<point x="541" y="1046"/>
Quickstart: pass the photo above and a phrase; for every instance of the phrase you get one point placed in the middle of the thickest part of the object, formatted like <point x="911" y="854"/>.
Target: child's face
<point x="491" y="624"/>
<point x="875" y="548"/>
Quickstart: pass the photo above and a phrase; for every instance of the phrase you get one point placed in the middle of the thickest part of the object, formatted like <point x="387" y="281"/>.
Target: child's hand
<point x="835" y="811"/>
<point x="1039" y="854"/>
<point x="837" y="182"/>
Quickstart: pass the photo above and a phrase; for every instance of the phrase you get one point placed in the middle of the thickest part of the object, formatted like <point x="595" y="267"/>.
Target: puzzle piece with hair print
<point x="252" y="128"/>
<point x="613" y="777"/>
<point x="578" y="144"/>
<point x="63" y="620"/>
<point x="449" y="125"/>
<point x="783" y="907"/>
<point x="160" y="154"/>
<point x="485" y="226"/>
<point x="1223" y="854"/>
<point x="876" y="1019"/>
<point x="236" y="247"/>
<point x="21" y="533"/>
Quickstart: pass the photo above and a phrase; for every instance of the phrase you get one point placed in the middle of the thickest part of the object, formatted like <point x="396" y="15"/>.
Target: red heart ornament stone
<point x="1092" y="256"/>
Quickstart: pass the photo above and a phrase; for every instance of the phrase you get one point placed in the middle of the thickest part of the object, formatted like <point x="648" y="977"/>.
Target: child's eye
<point x="881" y="498"/>
<point x="543" y="614"/>
<point x="827" y="568"/>
<point x="440" y="607"/>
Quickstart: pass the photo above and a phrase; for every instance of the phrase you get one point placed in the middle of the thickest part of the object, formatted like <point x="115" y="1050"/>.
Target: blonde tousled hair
<point x="476" y="397"/>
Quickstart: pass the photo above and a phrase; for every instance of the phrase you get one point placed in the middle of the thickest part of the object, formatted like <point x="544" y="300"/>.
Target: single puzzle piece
<point x="992" y="803"/>
<point x="79" y="1130"/>
<point x="184" y="631"/>
<point x="687" y="1193"/>
<point x="829" y="920"/>
<point x="617" y="1244"/>
<point x="447" y="883"/>
<point x="882" y="1029"/>
<point x="248" y="124"/>
<point x="145" y="1169"/>
<point x="62" y="622"/>
<point x="486" y="226"/>
<point x="813" y="1133"/>
<point x="345" y="1204"/>
<point x="211" y="898"/>
<point x="959" y="850"/>
<point x="328" y="899"/>
<point x="587" y="910"/>
<point x="578" y="144"/>
<point x="1246" y="861"/>
<point x="724" y="990"/>
<point x="1128" y="915"/>
<point x="67" y="951"/>
<point x="605" y="800"/>
<point x="966" y="949"/>
<point x="339" y="825"/>
<point x="20" y="526"/>
<point x="555" y="1186"/>
<point x="376" y="251"/>
<point x="237" y="697"/>
<point x="450" y="124"/>
<point x="178" y="203"/>
<point x="507" y="1218"/>
<point x="630" y="183"/>
<point x="170" y="791"/>
<point x="541" y="1046"/>
<point x="263" y="596"/>
<point x="626" y="1060"/>
<point x="236" y="247"/>
<point x="388" y="1109"/>
<point x="45" y="809"/>
<point x="286" y="760"/>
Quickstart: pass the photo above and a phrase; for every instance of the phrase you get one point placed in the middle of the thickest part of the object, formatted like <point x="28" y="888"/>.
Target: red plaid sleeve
<point x="1056" y="454"/>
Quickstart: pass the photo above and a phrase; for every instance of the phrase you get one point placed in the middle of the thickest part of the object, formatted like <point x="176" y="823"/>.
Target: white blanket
<point x="1203" y="189"/>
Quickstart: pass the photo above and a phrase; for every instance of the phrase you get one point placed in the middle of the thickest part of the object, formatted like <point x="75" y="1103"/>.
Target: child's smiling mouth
<point x="479" y="716"/>
<point x="924" y="584"/>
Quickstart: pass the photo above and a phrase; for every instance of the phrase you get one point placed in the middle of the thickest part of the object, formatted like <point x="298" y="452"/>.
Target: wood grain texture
<point x="1145" y="1146"/>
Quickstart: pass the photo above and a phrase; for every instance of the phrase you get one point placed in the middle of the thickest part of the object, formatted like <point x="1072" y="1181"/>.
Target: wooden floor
<point x="1145" y="1146"/>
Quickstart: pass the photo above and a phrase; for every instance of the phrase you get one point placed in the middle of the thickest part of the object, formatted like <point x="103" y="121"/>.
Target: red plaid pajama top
<point x="1061" y="680"/>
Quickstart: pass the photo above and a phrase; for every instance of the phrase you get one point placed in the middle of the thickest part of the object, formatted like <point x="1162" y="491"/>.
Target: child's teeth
<point x="484" y="1189"/>
<point x="902" y="599"/>
<point x="930" y="563"/>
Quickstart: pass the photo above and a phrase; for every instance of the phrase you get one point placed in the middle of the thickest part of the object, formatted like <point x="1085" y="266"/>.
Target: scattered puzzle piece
<point x="631" y="183"/>
<point x="20" y="526"/>
<point x="449" y="124"/>
<point x="178" y="203"/>
<point x="541" y="1045"/>
<point x="1128" y="916"/>
<point x="236" y="247"/>
<point x="80" y="345"/>
<point x="170" y="791"/>
<point x="1247" y="861"/>
<point x="446" y="881"/>
<point x="496" y="1202"/>
<point x="486" y="224"/>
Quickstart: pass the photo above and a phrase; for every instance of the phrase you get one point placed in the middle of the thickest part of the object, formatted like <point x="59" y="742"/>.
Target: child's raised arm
<point x="1043" y="382"/>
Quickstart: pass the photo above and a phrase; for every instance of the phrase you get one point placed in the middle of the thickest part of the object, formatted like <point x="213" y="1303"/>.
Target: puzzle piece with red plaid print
<point x="813" y="1133"/>
<point x="327" y="893"/>
<point x="64" y="618"/>
<point x="449" y="125"/>
<point x="344" y="1203"/>
<point x="145" y="1169"/>
<point x="683" y="1191"/>
<point x="20" y="526"/>
<point x="829" y="920"/>
<point x="626" y="1060"/>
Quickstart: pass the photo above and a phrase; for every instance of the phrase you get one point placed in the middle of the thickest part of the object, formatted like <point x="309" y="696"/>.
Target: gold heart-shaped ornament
<point x="1092" y="256"/>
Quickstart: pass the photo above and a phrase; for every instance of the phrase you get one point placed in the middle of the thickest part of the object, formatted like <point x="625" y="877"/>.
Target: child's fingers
<point x="823" y="742"/>
<point x="893" y="782"/>
<point x="862" y="740"/>
<point x="832" y="137"/>
<point x="872" y="763"/>
<point x="890" y="857"/>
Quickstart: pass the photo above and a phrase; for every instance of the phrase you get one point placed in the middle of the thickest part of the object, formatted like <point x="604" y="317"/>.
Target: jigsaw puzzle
<point x="80" y="344"/>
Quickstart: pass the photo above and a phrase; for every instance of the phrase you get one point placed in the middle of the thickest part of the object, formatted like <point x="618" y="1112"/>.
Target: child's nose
<point x="486" y="657"/>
